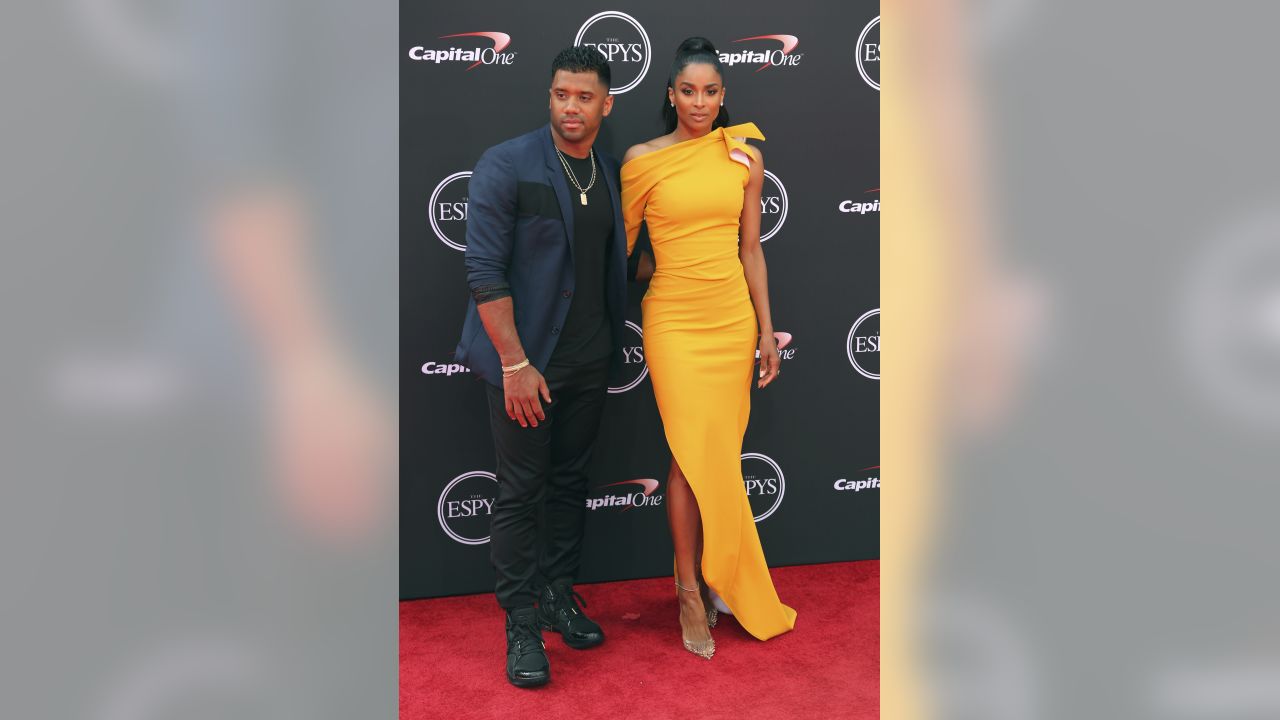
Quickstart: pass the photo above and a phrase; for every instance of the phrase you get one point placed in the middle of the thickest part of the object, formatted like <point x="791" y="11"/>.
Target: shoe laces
<point x="567" y="599"/>
<point x="526" y="637"/>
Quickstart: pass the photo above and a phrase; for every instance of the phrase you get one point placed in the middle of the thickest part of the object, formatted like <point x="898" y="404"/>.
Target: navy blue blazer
<point x="519" y="232"/>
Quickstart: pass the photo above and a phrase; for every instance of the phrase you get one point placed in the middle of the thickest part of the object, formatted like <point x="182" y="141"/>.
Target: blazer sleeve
<point x="491" y="224"/>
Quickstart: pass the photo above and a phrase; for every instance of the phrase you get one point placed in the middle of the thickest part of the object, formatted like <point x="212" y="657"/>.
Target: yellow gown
<point x="700" y="335"/>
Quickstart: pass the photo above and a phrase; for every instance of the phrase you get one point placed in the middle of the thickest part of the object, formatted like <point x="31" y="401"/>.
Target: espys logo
<point x="435" y="368"/>
<point x="868" y="53"/>
<point x="465" y="506"/>
<point x="784" y="341"/>
<point x="764" y="483"/>
<point x="864" y="207"/>
<point x="864" y="344"/>
<point x="448" y="209"/>
<point x="870" y="482"/>
<point x="623" y="42"/>
<point x="776" y="57"/>
<point x="628" y="497"/>
<point x="475" y="56"/>
<point x="634" y="368"/>
<point x="773" y="206"/>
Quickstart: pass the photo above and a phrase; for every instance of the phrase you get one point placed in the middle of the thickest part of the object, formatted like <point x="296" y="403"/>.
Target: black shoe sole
<point x="529" y="682"/>
<point x="582" y="644"/>
<point x="575" y="644"/>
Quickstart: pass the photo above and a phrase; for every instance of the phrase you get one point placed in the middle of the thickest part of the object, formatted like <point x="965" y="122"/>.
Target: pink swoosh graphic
<point x="789" y="43"/>
<point x="649" y="484"/>
<point x="500" y="40"/>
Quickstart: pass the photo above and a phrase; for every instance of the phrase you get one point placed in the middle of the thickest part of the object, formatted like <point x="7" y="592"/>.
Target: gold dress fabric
<point x="700" y="336"/>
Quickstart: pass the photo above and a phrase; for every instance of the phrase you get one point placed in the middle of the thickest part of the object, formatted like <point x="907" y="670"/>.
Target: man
<point x="546" y="264"/>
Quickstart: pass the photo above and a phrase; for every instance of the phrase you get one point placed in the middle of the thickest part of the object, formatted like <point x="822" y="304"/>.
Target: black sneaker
<point x="558" y="610"/>
<point x="527" y="664"/>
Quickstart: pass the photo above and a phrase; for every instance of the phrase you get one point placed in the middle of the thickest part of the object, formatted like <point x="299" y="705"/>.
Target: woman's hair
<point x="693" y="50"/>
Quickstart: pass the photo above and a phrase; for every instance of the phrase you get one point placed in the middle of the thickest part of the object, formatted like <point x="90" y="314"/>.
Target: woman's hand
<point x="770" y="363"/>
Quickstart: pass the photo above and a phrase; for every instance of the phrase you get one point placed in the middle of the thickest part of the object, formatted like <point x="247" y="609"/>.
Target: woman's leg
<point x="703" y="588"/>
<point x="686" y="536"/>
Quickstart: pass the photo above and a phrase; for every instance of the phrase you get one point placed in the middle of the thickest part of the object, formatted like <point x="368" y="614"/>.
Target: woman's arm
<point x="639" y="267"/>
<point x="753" y="266"/>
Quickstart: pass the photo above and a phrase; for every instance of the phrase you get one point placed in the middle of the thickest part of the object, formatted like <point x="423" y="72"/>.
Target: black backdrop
<point x="807" y="73"/>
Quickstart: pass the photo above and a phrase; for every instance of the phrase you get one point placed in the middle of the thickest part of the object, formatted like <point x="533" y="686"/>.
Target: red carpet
<point x="453" y="656"/>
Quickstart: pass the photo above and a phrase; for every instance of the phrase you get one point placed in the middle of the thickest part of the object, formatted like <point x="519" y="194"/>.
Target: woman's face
<point x="697" y="94"/>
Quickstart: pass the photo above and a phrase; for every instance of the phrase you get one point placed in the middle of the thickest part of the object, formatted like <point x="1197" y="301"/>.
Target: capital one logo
<point x="868" y="53"/>
<point x="435" y="368"/>
<point x="466" y="505"/>
<point x="634" y="368"/>
<point x="773" y="206"/>
<point x="476" y="56"/>
<point x="623" y="42"/>
<point x="864" y="344"/>
<point x="775" y="57"/>
<point x="866" y="205"/>
<point x="869" y="481"/>
<point x="448" y="208"/>
<point x="627" y="494"/>
<point x="764" y="483"/>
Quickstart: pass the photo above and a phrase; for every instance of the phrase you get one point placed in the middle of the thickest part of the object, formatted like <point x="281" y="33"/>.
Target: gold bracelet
<point x="509" y="371"/>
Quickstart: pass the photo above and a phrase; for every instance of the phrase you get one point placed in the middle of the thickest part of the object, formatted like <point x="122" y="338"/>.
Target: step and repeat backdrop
<point x="807" y="73"/>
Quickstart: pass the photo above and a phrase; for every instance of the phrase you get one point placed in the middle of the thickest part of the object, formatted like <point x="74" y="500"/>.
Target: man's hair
<point x="581" y="58"/>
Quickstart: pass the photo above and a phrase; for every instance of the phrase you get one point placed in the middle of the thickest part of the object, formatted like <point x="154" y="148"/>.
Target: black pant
<point x="543" y="466"/>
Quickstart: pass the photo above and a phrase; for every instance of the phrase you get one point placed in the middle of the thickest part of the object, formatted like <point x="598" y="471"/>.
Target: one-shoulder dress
<point x="700" y="336"/>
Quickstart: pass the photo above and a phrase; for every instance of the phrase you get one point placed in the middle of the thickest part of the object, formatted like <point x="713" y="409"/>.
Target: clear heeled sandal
<point x="708" y="602"/>
<point x="704" y="649"/>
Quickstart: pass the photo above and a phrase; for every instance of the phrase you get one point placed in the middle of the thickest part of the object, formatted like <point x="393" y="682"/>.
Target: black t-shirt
<point x="586" y="337"/>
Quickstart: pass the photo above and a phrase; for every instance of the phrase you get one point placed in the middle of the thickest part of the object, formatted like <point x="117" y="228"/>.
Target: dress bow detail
<point x="736" y="148"/>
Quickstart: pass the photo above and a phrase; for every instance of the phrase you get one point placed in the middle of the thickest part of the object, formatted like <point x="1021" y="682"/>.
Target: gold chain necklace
<point x="582" y="191"/>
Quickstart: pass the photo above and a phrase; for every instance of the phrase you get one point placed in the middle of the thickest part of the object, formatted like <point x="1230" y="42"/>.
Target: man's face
<point x="579" y="102"/>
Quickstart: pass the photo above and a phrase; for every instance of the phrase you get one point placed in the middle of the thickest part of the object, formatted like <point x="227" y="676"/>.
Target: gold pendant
<point x="583" y="196"/>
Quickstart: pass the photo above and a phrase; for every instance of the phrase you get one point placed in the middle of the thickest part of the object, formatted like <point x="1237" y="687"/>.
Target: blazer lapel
<point x="555" y="176"/>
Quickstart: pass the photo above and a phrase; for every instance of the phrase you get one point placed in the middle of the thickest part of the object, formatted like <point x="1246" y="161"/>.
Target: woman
<point x="697" y="188"/>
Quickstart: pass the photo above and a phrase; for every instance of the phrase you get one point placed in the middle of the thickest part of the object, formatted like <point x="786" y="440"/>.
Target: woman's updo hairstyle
<point x="693" y="50"/>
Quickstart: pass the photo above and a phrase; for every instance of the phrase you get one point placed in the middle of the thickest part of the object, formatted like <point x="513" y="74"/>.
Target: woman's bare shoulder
<point x="645" y="148"/>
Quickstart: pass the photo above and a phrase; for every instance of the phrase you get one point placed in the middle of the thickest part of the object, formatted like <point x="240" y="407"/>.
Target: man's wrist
<point x="509" y="359"/>
<point x="515" y="366"/>
<point x="513" y="370"/>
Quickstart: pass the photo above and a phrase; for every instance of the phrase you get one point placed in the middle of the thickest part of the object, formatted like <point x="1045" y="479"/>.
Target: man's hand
<point x="522" y="392"/>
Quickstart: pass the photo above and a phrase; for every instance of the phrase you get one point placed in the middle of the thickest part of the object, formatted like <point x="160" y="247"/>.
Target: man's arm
<point x="491" y="221"/>
<point x="498" y="317"/>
